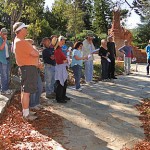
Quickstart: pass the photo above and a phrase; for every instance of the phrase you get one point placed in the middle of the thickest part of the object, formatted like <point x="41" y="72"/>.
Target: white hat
<point x="61" y="38"/>
<point x="4" y="31"/>
<point x="18" y="26"/>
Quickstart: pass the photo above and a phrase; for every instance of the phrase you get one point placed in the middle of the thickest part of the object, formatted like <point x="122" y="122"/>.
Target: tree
<point x="22" y="9"/>
<point x="102" y="16"/>
<point x="74" y="14"/>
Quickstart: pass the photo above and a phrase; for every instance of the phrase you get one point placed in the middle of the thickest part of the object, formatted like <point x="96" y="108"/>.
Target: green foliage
<point x="141" y="35"/>
<point x="102" y="16"/>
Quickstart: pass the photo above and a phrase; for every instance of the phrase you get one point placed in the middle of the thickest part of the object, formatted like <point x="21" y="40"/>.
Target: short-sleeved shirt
<point x="59" y="56"/>
<point x="148" y="51"/>
<point x="46" y="54"/>
<point x="23" y="51"/>
<point x="3" y="52"/>
<point x="74" y="61"/>
<point x="127" y="50"/>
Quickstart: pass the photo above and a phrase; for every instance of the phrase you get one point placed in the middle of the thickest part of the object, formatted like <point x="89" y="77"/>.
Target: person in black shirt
<point x="103" y="52"/>
<point x="112" y="50"/>
<point x="49" y="67"/>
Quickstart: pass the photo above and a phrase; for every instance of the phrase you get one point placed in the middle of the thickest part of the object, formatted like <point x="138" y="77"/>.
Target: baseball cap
<point x="4" y="31"/>
<point x="18" y="26"/>
<point x="61" y="38"/>
<point x="90" y="34"/>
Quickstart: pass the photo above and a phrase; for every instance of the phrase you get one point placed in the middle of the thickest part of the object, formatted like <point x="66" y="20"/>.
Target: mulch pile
<point x="144" y="109"/>
<point x="16" y="133"/>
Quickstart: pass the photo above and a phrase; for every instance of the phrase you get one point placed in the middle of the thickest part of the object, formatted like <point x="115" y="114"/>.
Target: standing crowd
<point x="56" y="61"/>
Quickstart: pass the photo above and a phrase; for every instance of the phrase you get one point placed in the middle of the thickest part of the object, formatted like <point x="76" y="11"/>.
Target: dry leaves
<point x="144" y="109"/>
<point x="15" y="133"/>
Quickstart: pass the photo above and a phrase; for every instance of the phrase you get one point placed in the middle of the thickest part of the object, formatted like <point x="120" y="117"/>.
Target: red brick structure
<point x="120" y="34"/>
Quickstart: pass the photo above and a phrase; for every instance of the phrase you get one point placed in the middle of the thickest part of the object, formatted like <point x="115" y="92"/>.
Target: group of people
<point x="56" y="62"/>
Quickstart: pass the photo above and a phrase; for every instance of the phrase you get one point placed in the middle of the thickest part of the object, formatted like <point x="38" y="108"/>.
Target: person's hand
<point x="5" y="38"/>
<point x="65" y="61"/>
<point x="85" y="58"/>
<point x="52" y="57"/>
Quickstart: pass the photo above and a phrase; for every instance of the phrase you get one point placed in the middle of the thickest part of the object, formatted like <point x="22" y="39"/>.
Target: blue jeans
<point x="35" y="97"/>
<point x="4" y="77"/>
<point x="49" y="78"/>
<point x="105" y="67"/>
<point x="77" y="70"/>
<point x="88" y="70"/>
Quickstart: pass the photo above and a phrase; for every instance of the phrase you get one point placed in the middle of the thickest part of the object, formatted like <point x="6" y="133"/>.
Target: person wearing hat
<point x="27" y="59"/>
<point x="61" y="73"/>
<point x="4" y="62"/>
<point x="112" y="54"/>
<point x="49" y="67"/>
<point x="88" y="48"/>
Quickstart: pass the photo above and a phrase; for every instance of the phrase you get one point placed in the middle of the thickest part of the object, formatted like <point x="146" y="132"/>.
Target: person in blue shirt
<point x="148" y="57"/>
<point x="128" y="54"/>
<point x="4" y="62"/>
<point x="77" y="60"/>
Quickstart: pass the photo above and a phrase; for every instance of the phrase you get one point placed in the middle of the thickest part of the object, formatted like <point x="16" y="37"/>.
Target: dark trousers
<point x="61" y="91"/>
<point x="147" y="67"/>
<point x="105" y="66"/>
<point x="111" y="70"/>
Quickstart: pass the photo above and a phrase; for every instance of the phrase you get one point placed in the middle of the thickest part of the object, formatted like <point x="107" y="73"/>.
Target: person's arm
<point x="122" y="50"/>
<point x="80" y="58"/>
<point x="3" y="43"/>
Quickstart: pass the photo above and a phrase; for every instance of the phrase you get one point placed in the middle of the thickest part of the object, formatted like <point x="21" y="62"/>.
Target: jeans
<point x="4" y="77"/>
<point x="88" y="70"/>
<point x="127" y="64"/>
<point x="105" y="66"/>
<point x="77" y="70"/>
<point x="35" y="97"/>
<point x="147" y="67"/>
<point x="49" y="78"/>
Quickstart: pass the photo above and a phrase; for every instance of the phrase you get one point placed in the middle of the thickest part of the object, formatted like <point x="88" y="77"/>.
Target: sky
<point x="130" y="23"/>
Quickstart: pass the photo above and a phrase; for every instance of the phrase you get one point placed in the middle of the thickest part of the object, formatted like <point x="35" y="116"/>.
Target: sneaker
<point x="61" y="101"/>
<point x="30" y="118"/>
<point x="50" y="96"/>
<point x="67" y="98"/>
<point x="32" y="112"/>
<point x="35" y="108"/>
<point x="7" y="92"/>
<point x="80" y="89"/>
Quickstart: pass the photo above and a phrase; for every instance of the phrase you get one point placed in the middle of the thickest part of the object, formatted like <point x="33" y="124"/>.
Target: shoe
<point x="50" y="96"/>
<point x="61" y="101"/>
<point x="80" y="89"/>
<point x="67" y="98"/>
<point x="114" y="78"/>
<point x="35" y="108"/>
<point x="32" y="112"/>
<point x="7" y="92"/>
<point x="39" y="105"/>
<point x="30" y="118"/>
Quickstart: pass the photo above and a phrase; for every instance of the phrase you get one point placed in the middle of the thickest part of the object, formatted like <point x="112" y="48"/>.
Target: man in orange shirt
<point x="27" y="59"/>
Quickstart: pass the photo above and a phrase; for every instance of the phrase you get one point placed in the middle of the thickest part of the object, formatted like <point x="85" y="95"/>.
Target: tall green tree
<point x="25" y="10"/>
<point x="60" y="20"/>
<point x="102" y="16"/>
<point x="74" y="14"/>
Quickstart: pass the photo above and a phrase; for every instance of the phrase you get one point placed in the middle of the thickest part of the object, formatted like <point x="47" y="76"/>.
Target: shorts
<point x="29" y="79"/>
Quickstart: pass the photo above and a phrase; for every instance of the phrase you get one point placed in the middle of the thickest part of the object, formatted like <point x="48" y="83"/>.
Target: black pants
<point x="111" y="70"/>
<point x="105" y="66"/>
<point x="147" y="67"/>
<point x="60" y="91"/>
